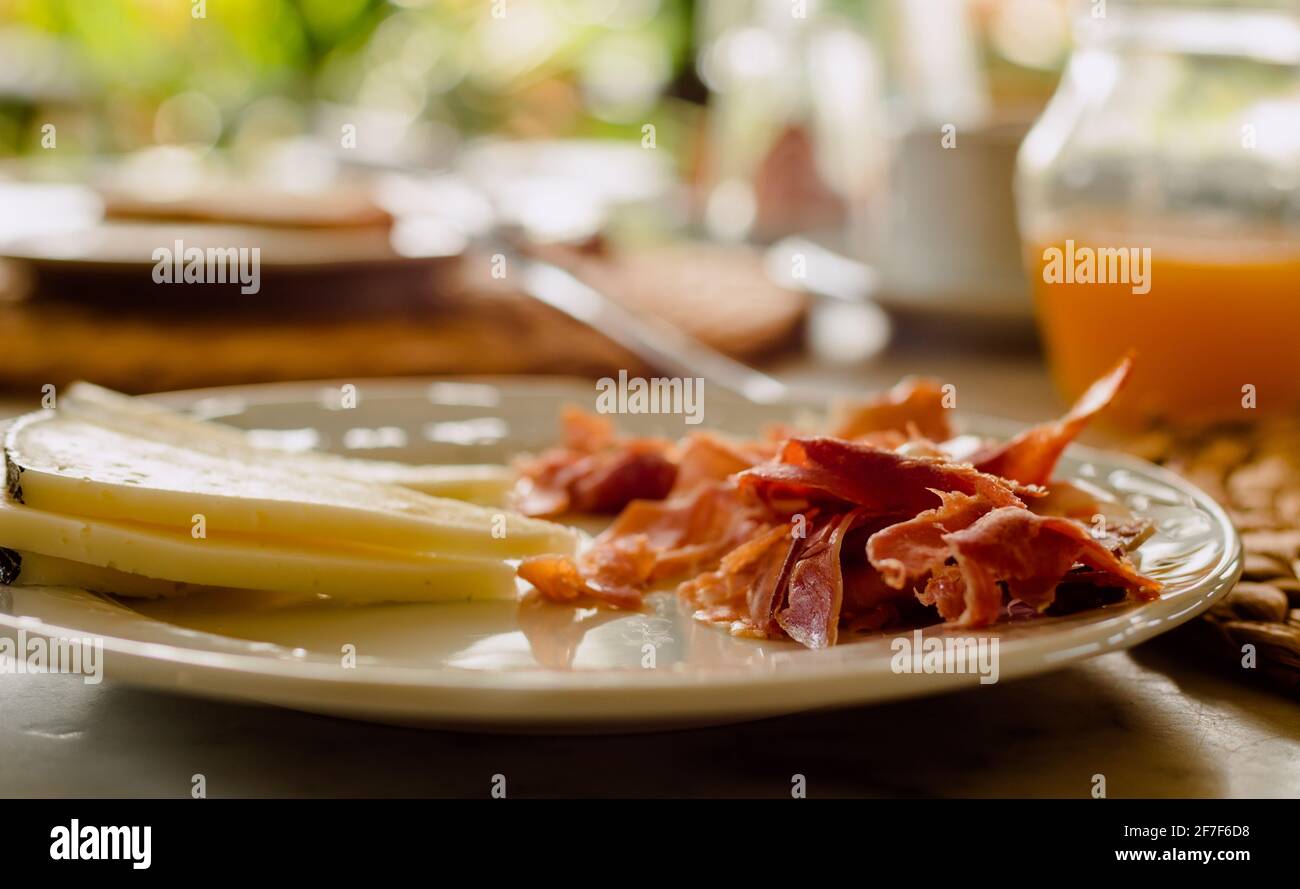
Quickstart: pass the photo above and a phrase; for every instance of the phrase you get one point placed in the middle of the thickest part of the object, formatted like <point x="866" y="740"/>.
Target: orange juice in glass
<point x="1159" y="204"/>
<point x="1214" y="322"/>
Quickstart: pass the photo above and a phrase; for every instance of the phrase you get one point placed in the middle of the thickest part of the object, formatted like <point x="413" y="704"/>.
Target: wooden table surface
<point x="1153" y="721"/>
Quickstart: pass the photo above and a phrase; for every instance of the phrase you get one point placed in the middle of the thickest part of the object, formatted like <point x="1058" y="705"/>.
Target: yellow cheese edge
<point x="485" y="484"/>
<point x="166" y="556"/>
<point x="406" y="519"/>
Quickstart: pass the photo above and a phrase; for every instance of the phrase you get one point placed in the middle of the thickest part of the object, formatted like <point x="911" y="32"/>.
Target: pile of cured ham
<point x="887" y="520"/>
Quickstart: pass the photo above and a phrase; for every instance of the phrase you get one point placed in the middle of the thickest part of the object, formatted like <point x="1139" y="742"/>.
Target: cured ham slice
<point x="869" y="603"/>
<point x="594" y="472"/>
<point x="743" y="588"/>
<point x="875" y="527"/>
<point x="693" y="532"/>
<point x="711" y="458"/>
<point x="906" y="552"/>
<point x="601" y="483"/>
<point x="882" y="482"/>
<point x="650" y="543"/>
<point x="946" y="591"/>
<point x="815" y="590"/>
<point x="598" y="472"/>
<point x="615" y="574"/>
<point x="1030" y="554"/>
<point x="1031" y="456"/>
<point x="780" y="584"/>
<point x="916" y="406"/>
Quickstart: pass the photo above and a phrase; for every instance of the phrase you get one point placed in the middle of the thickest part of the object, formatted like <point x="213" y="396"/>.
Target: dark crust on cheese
<point x="13" y="472"/>
<point x="14" y="481"/>
<point x="11" y="565"/>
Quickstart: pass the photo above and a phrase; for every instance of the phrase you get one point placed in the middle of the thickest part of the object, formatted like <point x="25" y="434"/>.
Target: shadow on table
<point x="1043" y="736"/>
<point x="1207" y="662"/>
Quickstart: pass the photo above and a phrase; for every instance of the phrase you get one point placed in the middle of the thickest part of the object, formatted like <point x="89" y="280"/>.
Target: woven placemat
<point x="1254" y="472"/>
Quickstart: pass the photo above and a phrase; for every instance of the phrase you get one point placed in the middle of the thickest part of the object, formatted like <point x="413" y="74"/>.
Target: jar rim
<point x="1263" y="32"/>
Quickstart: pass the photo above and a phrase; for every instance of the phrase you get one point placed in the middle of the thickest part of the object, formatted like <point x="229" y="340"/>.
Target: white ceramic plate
<point x="550" y="667"/>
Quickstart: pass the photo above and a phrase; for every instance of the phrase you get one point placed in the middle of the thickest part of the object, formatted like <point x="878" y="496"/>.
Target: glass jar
<point x="1159" y="207"/>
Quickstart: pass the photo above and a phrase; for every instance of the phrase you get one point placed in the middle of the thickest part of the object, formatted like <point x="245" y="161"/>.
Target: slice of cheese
<point x="154" y="562"/>
<point x="36" y="569"/>
<point x="477" y="483"/>
<point x="76" y="467"/>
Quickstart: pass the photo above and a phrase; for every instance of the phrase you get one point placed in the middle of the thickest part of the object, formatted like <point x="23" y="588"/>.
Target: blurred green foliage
<point x="115" y="75"/>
